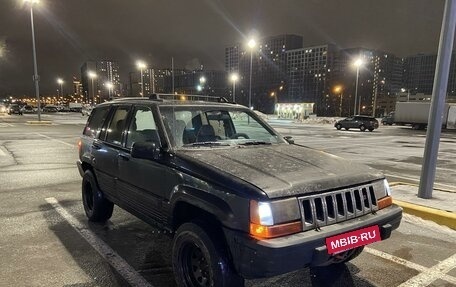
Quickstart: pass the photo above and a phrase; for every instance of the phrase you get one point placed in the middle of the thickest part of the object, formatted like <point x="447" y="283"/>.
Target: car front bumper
<point x="254" y="258"/>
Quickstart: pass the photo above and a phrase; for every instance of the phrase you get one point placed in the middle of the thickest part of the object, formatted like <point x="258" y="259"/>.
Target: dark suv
<point x="241" y="200"/>
<point x="358" y="122"/>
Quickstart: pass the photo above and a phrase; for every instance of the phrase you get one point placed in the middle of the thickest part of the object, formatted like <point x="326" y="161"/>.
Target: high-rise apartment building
<point x="419" y="71"/>
<point x="97" y="88"/>
<point x="269" y="69"/>
<point x="309" y="73"/>
<point x="380" y="79"/>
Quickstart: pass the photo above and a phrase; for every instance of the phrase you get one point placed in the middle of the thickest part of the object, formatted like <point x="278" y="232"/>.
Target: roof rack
<point x="184" y="97"/>
<point x="178" y="97"/>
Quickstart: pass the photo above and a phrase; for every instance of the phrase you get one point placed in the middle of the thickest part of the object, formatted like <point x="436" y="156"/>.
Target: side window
<point x="95" y="122"/>
<point x="142" y="127"/>
<point x="117" y="126"/>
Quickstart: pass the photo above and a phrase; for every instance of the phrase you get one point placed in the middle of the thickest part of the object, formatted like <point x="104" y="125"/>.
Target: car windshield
<point x="190" y="127"/>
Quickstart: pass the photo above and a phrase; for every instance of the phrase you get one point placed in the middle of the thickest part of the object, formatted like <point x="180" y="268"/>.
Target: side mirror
<point x="145" y="150"/>
<point x="289" y="139"/>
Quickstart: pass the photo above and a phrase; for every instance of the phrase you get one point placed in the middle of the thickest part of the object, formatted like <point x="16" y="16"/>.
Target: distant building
<point x="269" y="69"/>
<point x="380" y="77"/>
<point x="202" y="82"/>
<point x="419" y="71"/>
<point x="106" y="71"/>
<point x="309" y="73"/>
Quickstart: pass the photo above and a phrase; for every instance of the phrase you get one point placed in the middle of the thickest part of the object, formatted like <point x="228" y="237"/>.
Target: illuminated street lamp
<point x="141" y="66"/>
<point x="36" y="78"/>
<point x="199" y="88"/>
<point x="202" y="80"/>
<point x="338" y="90"/>
<point x="358" y="63"/>
<point x="60" y="82"/>
<point x="233" y="78"/>
<point x="92" y="75"/>
<point x="251" y="44"/>
<point x="109" y="86"/>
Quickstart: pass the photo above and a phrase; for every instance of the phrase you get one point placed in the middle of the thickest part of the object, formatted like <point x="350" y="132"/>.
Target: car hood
<point x="283" y="170"/>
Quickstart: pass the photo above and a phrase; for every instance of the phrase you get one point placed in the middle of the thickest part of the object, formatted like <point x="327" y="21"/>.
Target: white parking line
<point x="65" y="143"/>
<point x="117" y="262"/>
<point x="426" y="275"/>
<point x="432" y="274"/>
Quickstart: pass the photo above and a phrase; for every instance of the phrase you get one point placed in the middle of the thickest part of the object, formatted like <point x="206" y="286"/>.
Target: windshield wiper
<point x="254" y="142"/>
<point x="209" y="144"/>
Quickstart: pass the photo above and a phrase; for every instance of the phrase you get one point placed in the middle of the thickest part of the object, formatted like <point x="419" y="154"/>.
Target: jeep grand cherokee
<point x="241" y="200"/>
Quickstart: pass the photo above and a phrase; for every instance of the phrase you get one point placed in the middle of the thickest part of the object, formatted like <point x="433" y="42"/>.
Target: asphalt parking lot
<point x="47" y="241"/>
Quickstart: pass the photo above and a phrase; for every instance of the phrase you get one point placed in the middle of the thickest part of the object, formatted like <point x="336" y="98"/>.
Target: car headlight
<point x="274" y="218"/>
<point x="387" y="187"/>
<point x="386" y="200"/>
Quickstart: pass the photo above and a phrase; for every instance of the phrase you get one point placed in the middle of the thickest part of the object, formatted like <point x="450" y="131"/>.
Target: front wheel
<point x="338" y="126"/>
<point x="97" y="208"/>
<point x="371" y="129"/>
<point x="200" y="259"/>
<point x="362" y="128"/>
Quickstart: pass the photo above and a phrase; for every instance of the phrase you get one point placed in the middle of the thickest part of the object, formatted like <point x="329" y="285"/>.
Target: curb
<point x="39" y="123"/>
<point x="396" y="183"/>
<point x="441" y="217"/>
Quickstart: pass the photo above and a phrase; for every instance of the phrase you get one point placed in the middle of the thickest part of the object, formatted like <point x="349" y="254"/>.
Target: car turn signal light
<point x="385" y="202"/>
<point x="263" y="232"/>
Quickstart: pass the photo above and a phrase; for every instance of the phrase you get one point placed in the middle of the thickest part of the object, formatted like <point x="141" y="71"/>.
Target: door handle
<point x="123" y="156"/>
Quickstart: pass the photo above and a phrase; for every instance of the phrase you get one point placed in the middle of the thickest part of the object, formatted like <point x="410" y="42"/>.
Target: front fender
<point x="229" y="209"/>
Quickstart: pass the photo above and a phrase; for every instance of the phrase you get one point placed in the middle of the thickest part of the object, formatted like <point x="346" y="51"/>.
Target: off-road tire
<point x="97" y="208"/>
<point x="201" y="259"/>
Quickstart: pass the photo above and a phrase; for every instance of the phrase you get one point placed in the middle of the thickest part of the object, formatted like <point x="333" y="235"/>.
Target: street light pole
<point x="92" y="75"/>
<point x="35" y="66"/>
<point x="234" y="77"/>
<point x="358" y="64"/>
<point x="141" y="66"/>
<point x="251" y="45"/>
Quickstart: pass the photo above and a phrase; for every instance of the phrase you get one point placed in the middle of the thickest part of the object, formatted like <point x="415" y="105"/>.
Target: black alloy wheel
<point x="200" y="257"/>
<point x="362" y="128"/>
<point x="338" y="126"/>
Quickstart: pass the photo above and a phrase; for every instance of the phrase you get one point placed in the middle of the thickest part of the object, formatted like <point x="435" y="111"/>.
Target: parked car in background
<point x="14" y="109"/>
<point x="357" y="122"/>
<point x="50" y="109"/>
<point x="389" y="119"/>
<point x="28" y="109"/>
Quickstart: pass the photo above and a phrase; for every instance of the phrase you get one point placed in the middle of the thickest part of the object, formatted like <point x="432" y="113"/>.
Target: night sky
<point x="69" y="32"/>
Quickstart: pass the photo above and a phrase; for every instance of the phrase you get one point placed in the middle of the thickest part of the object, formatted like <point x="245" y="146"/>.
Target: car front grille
<point x="337" y="206"/>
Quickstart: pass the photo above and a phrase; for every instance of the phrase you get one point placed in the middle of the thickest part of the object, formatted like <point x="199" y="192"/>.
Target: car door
<point x="106" y="149"/>
<point x="142" y="183"/>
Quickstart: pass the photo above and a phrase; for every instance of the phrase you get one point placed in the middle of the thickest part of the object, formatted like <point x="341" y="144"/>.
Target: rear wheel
<point x="371" y="129"/>
<point x="97" y="208"/>
<point x="200" y="259"/>
<point x="362" y="128"/>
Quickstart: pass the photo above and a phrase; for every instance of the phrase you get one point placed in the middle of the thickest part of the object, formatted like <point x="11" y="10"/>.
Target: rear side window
<point x="95" y="122"/>
<point x="117" y="125"/>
